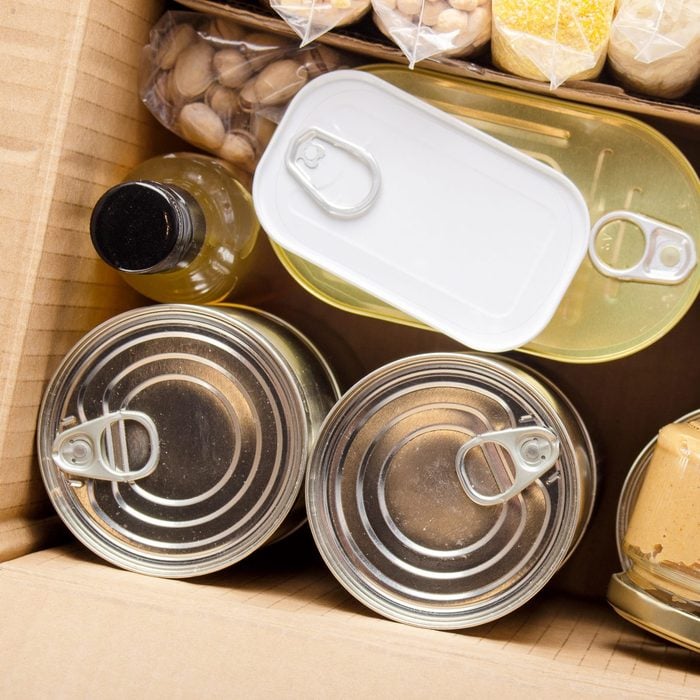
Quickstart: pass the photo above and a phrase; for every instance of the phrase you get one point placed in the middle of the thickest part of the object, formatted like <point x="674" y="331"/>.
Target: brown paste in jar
<point x="663" y="536"/>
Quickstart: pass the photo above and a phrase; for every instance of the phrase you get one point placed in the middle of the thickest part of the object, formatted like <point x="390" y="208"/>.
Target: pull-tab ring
<point x="534" y="450"/>
<point x="669" y="253"/>
<point x="82" y="450"/>
<point x="307" y="147"/>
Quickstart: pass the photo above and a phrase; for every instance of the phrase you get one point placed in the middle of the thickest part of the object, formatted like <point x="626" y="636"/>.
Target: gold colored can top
<point x="599" y="318"/>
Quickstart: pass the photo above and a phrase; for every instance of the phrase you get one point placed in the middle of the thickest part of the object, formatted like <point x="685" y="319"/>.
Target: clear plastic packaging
<point x="312" y="18"/>
<point x="222" y="87"/>
<point x="551" y="40"/>
<point x="655" y="46"/>
<point x="427" y="28"/>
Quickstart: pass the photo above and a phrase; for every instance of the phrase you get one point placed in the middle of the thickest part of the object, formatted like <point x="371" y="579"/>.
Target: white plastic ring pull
<point x="86" y="450"/>
<point x="669" y="253"/>
<point x="533" y="449"/>
<point x="313" y="150"/>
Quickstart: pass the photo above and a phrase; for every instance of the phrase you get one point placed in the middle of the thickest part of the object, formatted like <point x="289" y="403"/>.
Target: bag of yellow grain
<point x="429" y="28"/>
<point x="655" y="46"/>
<point x="551" y="40"/>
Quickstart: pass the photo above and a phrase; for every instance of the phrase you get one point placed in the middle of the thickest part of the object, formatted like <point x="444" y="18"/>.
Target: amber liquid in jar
<point x="229" y="232"/>
<point x="663" y="536"/>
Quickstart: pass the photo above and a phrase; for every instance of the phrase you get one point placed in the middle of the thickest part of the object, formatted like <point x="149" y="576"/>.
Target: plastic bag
<point x="655" y="46"/>
<point x="551" y="40"/>
<point x="426" y="28"/>
<point x="222" y="87"/>
<point x="312" y="18"/>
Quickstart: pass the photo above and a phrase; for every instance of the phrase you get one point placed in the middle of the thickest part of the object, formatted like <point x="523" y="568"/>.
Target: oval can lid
<point x="388" y="511"/>
<point x="231" y="439"/>
<point x="432" y="216"/>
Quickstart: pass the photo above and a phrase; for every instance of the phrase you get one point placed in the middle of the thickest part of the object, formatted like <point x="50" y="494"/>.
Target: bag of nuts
<point x="429" y="28"/>
<point x="222" y="87"/>
<point x="655" y="46"/>
<point x="312" y="18"/>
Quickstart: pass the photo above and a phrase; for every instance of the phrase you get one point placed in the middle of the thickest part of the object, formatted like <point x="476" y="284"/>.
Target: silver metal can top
<point x="173" y="439"/>
<point x="446" y="489"/>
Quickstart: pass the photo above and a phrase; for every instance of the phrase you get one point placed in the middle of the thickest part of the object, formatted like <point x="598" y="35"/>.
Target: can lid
<point x="390" y="507"/>
<point x="428" y="214"/>
<point x="173" y="439"/>
<point x="652" y="614"/>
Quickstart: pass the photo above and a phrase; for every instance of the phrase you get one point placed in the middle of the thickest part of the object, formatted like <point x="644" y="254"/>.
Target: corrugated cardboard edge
<point x="23" y="532"/>
<point x="588" y="92"/>
<point x="268" y="628"/>
<point x="52" y="288"/>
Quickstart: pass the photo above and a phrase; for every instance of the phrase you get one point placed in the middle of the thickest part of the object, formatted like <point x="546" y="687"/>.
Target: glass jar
<point x="659" y="536"/>
<point x="180" y="228"/>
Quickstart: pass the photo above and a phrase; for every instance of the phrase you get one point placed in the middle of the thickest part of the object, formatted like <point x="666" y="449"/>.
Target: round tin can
<point x="651" y="598"/>
<point x="446" y="489"/>
<point x="173" y="440"/>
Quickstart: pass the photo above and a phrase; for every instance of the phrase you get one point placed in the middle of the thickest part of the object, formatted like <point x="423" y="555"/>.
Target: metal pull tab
<point x="342" y="178"/>
<point x="533" y="449"/>
<point x="88" y="449"/>
<point x="669" y="253"/>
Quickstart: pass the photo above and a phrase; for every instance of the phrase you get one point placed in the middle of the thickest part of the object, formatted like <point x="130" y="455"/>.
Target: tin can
<point x="446" y="489"/>
<point x="658" y="536"/>
<point x="603" y="315"/>
<point x="173" y="439"/>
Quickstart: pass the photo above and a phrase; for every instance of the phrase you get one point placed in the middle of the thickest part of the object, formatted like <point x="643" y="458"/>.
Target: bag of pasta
<point x="551" y="40"/>
<point x="655" y="46"/>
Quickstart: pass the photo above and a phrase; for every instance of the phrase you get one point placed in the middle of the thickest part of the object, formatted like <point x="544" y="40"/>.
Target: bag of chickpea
<point x="222" y="87"/>
<point x="551" y="40"/>
<point x="312" y="18"/>
<point x="655" y="46"/>
<point x="431" y="28"/>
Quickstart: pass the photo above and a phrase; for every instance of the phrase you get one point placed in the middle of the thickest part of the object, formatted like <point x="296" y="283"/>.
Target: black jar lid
<point x="145" y="226"/>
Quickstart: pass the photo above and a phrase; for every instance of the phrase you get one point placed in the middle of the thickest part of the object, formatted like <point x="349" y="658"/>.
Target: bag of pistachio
<point x="430" y="28"/>
<point x="222" y="87"/>
<point x="551" y="40"/>
<point x="655" y="46"/>
<point x="312" y="18"/>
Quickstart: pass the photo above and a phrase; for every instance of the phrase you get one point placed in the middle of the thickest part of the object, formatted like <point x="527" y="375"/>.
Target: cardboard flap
<point x="69" y="127"/>
<point x="259" y="629"/>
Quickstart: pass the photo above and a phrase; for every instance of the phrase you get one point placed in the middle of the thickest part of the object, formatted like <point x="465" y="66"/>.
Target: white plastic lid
<point x="443" y="222"/>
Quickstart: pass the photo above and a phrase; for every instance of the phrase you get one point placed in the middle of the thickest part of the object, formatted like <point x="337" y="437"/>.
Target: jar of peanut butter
<point x="659" y="537"/>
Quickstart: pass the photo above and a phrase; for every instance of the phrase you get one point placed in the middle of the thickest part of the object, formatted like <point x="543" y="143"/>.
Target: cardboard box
<point x="364" y="38"/>
<point x="277" y="624"/>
